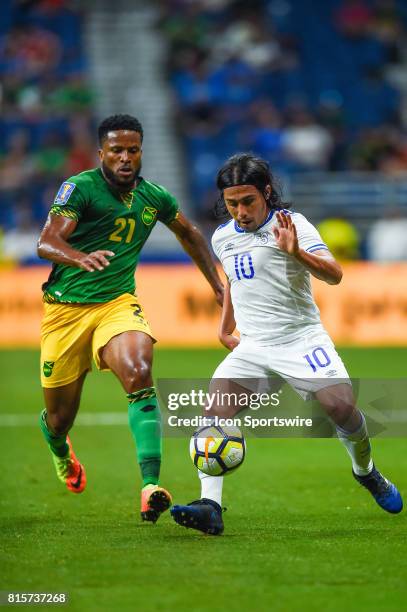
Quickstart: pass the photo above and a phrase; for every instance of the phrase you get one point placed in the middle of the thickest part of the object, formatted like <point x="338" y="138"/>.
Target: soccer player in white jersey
<point x="268" y="254"/>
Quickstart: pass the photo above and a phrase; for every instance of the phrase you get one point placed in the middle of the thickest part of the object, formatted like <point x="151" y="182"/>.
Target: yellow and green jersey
<point x="109" y="221"/>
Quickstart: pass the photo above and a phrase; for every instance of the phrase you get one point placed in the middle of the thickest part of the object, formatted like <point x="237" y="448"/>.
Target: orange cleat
<point x="154" y="501"/>
<point x="70" y="471"/>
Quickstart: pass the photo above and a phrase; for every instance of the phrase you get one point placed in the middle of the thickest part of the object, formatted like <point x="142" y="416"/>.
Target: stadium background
<point x="319" y="89"/>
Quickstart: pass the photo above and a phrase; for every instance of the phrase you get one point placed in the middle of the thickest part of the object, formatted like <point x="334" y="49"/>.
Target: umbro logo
<point x="229" y="246"/>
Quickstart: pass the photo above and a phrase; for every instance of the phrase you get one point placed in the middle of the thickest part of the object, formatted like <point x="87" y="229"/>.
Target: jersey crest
<point x="64" y="193"/>
<point x="47" y="368"/>
<point x="148" y="215"/>
<point x="261" y="237"/>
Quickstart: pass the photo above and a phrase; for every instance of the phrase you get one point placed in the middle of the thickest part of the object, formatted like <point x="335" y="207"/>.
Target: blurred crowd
<point x="46" y="126"/>
<point x="310" y="85"/>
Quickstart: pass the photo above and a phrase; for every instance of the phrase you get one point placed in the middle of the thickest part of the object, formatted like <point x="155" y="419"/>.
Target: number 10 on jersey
<point x="244" y="266"/>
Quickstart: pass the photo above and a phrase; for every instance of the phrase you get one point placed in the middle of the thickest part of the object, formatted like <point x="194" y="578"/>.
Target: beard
<point x="121" y="183"/>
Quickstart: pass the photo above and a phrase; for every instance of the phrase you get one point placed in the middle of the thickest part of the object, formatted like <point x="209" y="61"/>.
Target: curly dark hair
<point x="247" y="169"/>
<point x="119" y="122"/>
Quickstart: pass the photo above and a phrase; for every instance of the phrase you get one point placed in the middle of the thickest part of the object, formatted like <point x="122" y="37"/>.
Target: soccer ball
<point x="216" y="450"/>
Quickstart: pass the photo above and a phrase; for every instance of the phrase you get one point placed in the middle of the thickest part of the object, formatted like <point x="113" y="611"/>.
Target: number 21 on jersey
<point x="124" y="231"/>
<point x="244" y="266"/>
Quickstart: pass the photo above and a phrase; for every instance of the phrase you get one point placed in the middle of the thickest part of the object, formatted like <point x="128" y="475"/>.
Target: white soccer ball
<point x="216" y="450"/>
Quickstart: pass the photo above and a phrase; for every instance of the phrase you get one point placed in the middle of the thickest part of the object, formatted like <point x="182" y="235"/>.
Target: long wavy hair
<point x="247" y="169"/>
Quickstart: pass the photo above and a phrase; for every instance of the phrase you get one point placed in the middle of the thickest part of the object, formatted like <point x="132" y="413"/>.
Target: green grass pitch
<point x="300" y="534"/>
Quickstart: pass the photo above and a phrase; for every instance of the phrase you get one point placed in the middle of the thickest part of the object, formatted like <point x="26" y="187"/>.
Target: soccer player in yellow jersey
<point x="94" y="233"/>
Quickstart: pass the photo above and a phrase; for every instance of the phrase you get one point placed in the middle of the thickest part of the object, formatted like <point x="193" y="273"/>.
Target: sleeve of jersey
<point x="215" y="245"/>
<point x="309" y="238"/>
<point x="169" y="209"/>
<point x="69" y="201"/>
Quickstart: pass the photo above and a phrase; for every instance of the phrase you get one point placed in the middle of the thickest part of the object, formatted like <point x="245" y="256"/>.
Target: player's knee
<point x="338" y="402"/>
<point x="59" y="424"/>
<point x="341" y="412"/>
<point x="137" y="377"/>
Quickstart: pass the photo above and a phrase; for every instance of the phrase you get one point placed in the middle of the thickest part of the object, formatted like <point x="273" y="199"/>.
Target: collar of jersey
<point x="242" y="231"/>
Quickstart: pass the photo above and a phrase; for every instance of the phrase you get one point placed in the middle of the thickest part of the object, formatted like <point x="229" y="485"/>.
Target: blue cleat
<point x="385" y="492"/>
<point x="203" y="514"/>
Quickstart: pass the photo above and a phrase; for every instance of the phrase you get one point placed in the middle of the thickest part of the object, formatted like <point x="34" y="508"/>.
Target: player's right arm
<point x="227" y="322"/>
<point x="53" y="245"/>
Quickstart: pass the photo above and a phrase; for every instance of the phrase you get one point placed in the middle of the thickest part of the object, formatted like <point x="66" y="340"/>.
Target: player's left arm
<point x="320" y="264"/>
<point x="227" y="322"/>
<point x="195" y="245"/>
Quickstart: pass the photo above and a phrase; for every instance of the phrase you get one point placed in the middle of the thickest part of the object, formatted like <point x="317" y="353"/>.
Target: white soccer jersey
<point x="271" y="291"/>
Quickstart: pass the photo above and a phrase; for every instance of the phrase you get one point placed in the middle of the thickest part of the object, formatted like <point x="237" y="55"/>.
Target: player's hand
<point x="229" y="341"/>
<point x="286" y="234"/>
<point x="95" y="261"/>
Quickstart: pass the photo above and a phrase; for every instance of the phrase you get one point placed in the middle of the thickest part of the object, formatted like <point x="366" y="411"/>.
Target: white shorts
<point x="308" y="364"/>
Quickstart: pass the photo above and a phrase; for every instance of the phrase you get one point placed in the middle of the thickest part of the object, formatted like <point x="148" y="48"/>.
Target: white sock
<point x="211" y="487"/>
<point x="358" y="446"/>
